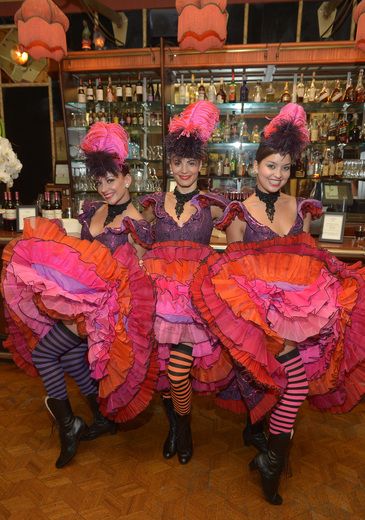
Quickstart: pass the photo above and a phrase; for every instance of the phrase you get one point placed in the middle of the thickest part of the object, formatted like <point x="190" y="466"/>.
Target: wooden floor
<point x="125" y="475"/>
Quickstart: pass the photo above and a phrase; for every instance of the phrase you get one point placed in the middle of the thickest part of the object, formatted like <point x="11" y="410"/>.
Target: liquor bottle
<point x="359" y="90"/>
<point x="336" y="94"/>
<point x="285" y="96"/>
<point x="324" y="94"/>
<point x="233" y="164"/>
<point x="244" y="91"/>
<point x="332" y="165"/>
<point x="314" y="130"/>
<point x="99" y="90"/>
<point x="157" y="93"/>
<point x="5" y="207"/>
<point x="300" y="167"/>
<point x="300" y="89"/>
<point x="339" y="166"/>
<point x="192" y="90"/>
<point x="221" y="96"/>
<point x="270" y="94"/>
<point x="119" y="91"/>
<point x="134" y="117"/>
<point x="212" y="93"/>
<point x="232" y="90"/>
<point x="128" y="92"/>
<point x="354" y="130"/>
<point x="182" y="91"/>
<point x="128" y="118"/>
<point x="140" y="119"/>
<point x="323" y="129"/>
<point x="325" y="164"/>
<point x="150" y="92"/>
<point x="227" y="130"/>
<point x="343" y="129"/>
<point x="81" y="97"/>
<point x="109" y="91"/>
<point x="255" y="136"/>
<point x="234" y="128"/>
<point x="10" y="214"/>
<point x="332" y="128"/>
<point x="201" y="91"/>
<point x="226" y="165"/>
<point x="57" y="207"/>
<point x="312" y="91"/>
<point x="139" y="90"/>
<point x="348" y="96"/>
<point x="294" y="92"/>
<point x="257" y="94"/>
<point x="244" y="135"/>
<point x="89" y="91"/>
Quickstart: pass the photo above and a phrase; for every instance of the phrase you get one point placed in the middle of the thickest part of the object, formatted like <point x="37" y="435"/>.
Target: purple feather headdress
<point x="288" y="133"/>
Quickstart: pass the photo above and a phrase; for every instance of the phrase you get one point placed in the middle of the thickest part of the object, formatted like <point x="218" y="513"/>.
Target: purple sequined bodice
<point x="198" y="228"/>
<point x="114" y="237"/>
<point x="256" y="232"/>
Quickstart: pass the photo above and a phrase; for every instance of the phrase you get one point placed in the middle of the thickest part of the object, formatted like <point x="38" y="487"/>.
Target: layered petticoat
<point x="172" y="267"/>
<point x="48" y="276"/>
<point x="254" y="295"/>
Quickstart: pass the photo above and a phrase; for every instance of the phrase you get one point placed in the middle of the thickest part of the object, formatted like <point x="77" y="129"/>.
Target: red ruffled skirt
<point x="172" y="267"/>
<point x="255" y="295"/>
<point x="48" y="276"/>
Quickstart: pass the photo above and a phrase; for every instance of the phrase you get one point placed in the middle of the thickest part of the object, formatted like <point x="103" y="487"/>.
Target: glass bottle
<point x="300" y="89"/>
<point x="244" y="135"/>
<point x="314" y="130"/>
<point x="325" y="164"/>
<point x="99" y="90"/>
<point x="285" y="96"/>
<point x="119" y="91"/>
<point x="255" y="136"/>
<point x="221" y="96"/>
<point x="332" y="128"/>
<point x="359" y="90"/>
<point x="343" y="129"/>
<point x="336" y="94"/>
<point x="270" y="94"/>
<point x="226" y="165"/>
<point x="89" y="91"/>
<point x="139" y="90"/>
<point x="354" y="130"/>
<point x="157" y="93"/>
<point x="323" y="96"/>
<point x="182" y="91"/>
<point x="201" y="91"/>
<point x="57" y="206"/>
<point x="233" y="164"/>
<point x="11" y="214"/>
<point x="150" y="92"/>
<point x="312" y="91"/>
<point x="5" y="207"/>
<point x="348" y="96"/>
<point x="232" y="90"/>
<point x="109" y="91"/>
<point x="128" y="92"/>
<point x="192" y="90"/>
<point x="234" y="127"/>
<point x="227" y="130"/>
<point x="212" y="93"/>
<point x="244" y="91"/>
<point x="257" y="95"/>
<point x="81" y="96"/>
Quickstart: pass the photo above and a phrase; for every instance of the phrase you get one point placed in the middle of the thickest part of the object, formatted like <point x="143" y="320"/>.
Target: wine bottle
<point x="312" y="91"/>
<point x="99" y="91"/>
<point x="201" y="91"/>
<point x="232" y="90"/>
<point x="300" y="89"/>
<point x="221" y="95"/>
<point x="182" y="91"/>
<point x="81" y="96"/>
<point x="11" y="214"/>
<point x="226" y="165"/>
<point x="5" y="207"/>
<point x="139" y="90"/>
<point x="57" y="206"/>
<point x="192" y="90"/>
<point x="157" y="93"/>
<point x="150" y="92"/>
<point x="128" y="92"/>
<point x="109" y="91"/>
<point x="89" y="91"/>
<point x="119" y="91"/>
<point x="212" y="93"/>
<point x="244" y="91"/>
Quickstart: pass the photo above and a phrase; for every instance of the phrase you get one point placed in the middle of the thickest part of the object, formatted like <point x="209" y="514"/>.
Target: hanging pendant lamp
<point x="42" y="29"/>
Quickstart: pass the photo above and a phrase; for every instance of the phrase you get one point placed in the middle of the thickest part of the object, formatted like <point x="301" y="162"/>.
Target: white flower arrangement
<point x="10" y="165"/>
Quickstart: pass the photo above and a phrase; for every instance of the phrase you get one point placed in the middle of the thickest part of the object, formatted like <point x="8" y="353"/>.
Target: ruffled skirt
<point x="255" y="295"/>
<point x="172" y="267"/>
<point x="49" y="276"/>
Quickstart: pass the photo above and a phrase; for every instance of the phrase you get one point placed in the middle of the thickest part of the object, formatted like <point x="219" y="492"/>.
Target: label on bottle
<point x="182" y="94"/>
<point x="109" y="95"/>
<point x="336" y="96"/>
<point x="48" y="213"/>
<point x="128" y="92"/>
<point x="119" y="92"/>
<point x="90" y="93"/>
<point x="220" y="98"/>
<point x="57" y="213"/>
<point x="139" y="90"/>
<point x="99" y="94"/>
<point x="10" y="214"/>
<point x="81" y="98"/>
<point x="232" y="93"/>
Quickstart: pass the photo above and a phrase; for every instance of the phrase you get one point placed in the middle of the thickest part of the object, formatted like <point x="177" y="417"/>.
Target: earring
<point x="127" y="185"/>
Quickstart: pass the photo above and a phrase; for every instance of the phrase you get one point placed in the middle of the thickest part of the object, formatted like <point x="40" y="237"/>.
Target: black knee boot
<point x="169" y="448"/>
<point x="70" y="428"/>
<point x="271" y="465"/>
<point x="100" y="424"/>
<point x="184" y="439"/>
<point x="255" y="434"/>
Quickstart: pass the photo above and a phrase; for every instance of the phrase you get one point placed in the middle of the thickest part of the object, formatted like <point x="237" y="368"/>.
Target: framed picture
<point x="23" y="212"/>
<point x="333" y="227"/>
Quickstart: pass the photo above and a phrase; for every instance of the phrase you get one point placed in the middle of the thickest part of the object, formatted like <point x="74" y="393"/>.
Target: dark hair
<point x="98" y="164"/>
<point x="264" y="150"/>
<point x="177" y="145"/>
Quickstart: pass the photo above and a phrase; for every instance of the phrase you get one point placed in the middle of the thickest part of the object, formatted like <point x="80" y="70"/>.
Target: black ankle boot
<point x="70" y="428"/>
<point x="271" y="465"/>
<point x="254" y="434"/>
<point x="169" y="448"/>
<point x="184" y="439"/>
<point x="101" y="424"/>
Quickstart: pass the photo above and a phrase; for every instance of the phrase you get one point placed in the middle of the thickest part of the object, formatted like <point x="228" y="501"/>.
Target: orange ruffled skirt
<point x="256" y="295"/>
<point x="49" y="276"/>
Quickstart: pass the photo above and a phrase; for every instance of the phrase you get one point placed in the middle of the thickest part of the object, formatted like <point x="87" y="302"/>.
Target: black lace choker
<point x="114" y="210"/>
<point x="182" y="199"/>
<point x="269" y="199"/>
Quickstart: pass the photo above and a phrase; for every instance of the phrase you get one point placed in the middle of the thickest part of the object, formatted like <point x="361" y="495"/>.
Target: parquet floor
<point x="124" y="476"/>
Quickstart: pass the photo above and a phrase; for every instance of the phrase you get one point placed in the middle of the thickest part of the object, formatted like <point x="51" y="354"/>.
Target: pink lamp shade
<point x="202" y="28"/>
<point x="359" y="18"/>
<point x="42" y="29"/>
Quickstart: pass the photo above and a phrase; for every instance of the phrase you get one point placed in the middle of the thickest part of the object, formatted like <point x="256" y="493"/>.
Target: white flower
<point x="10" y="165"/>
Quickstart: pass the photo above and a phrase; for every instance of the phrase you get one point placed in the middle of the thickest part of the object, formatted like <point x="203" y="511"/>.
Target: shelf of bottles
<point x="336" y="121"/>
<point x="133" y="103"/>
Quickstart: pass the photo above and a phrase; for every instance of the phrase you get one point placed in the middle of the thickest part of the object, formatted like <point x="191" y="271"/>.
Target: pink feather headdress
<point x="288" y="132"/>
<point x="107" y="137"/>
<point x="197" y="120"/>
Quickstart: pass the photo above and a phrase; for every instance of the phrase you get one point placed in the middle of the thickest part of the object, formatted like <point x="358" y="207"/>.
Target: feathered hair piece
<point x="287" y="133"/>
<point x="197" y="120"/>
<point x="109" y="138"/>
